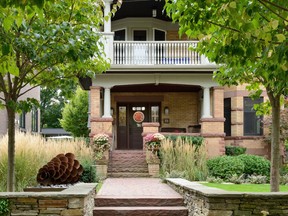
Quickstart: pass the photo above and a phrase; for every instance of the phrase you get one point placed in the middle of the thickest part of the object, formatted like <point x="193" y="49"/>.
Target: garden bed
<point x="203" y="201"/>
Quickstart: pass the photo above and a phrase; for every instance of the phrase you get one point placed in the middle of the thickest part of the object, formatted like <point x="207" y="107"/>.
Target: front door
<point x="129" y="124"/>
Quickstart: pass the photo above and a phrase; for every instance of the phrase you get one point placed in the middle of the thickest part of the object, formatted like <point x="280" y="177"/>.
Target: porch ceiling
<point x="155" y="88"/>
<point x="141" y="8"/>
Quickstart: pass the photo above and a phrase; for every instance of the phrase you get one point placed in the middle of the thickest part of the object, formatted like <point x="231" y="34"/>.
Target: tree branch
<point x="71" y="12"/>
<point x="45" y="81"/>
<point x="276" y="5"/>
<point x="283" y="18"/>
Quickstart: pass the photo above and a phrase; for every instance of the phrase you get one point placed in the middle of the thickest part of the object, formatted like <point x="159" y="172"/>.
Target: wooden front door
<point x="129" y="123"/>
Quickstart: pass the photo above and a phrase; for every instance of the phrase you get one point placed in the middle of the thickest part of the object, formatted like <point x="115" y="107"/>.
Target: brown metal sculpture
<point x="62" y="169"/>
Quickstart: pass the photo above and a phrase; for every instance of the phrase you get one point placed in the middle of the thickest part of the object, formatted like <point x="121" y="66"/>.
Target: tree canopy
<point x="45" y="43"/>
<point x="75" y="115"/>
<point x="249" y="40"/>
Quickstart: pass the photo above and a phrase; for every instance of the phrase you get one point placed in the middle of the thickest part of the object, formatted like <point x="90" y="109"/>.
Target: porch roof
<point x="141" y="8"/>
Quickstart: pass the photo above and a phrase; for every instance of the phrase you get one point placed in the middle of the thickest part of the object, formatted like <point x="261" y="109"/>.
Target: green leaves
<point x="74" y="115"/>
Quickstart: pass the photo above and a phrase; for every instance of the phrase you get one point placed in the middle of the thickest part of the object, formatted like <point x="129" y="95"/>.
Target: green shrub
<point x="257" y="179"/>
<point x="284" y="179"/>
<point x="225" y="166"/>
<point x="237" y="179"/>
<point x="4" y="207"/>
<point x="212" y="179"/>
<point x="255" y="165"/>
<point x="89" y="172"/>
<point x="234" y="150"/>
<point x="194" y="140"/>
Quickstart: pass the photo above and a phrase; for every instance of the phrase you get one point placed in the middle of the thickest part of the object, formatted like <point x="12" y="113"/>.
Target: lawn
<point x="245" y="187"/>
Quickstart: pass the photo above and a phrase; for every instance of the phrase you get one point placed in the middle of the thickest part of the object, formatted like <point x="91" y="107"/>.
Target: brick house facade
<point x="154" y="73"/>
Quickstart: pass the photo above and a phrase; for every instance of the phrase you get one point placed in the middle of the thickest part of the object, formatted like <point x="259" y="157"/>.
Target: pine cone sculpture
<point x="62" y="169"/>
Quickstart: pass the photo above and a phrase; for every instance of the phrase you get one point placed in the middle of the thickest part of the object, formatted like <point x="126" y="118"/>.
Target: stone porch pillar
<point x="95" y="101"/>
<point x="212" y="126"/>
<point x="151" y="159"/>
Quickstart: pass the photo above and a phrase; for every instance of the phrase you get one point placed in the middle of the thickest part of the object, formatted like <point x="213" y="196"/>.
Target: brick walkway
<point x="136" y="187"/>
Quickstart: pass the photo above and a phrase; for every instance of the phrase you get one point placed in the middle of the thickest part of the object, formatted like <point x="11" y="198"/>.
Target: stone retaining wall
<point x="205" y="201"/>
<point x="77" y="200"/>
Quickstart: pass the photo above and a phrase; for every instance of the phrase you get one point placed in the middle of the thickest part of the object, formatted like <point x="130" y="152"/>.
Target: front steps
<point x="139" y="206"/>
<point x="127" y="163"/>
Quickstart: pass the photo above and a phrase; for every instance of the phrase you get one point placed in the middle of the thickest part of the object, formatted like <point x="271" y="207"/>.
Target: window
<point x="119" y="35"/>
<point x="227" y="116"/>
<point x="252" y="122"/>
<point x="34" y="123"/>
<point x="154" y="113"/>
<point x="22" y="120"/>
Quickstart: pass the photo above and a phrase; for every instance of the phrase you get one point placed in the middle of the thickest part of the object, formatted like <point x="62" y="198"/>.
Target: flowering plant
<point x="101" y="139"/>
<point x="101" y="144"/>
<point x="153" y="141"/>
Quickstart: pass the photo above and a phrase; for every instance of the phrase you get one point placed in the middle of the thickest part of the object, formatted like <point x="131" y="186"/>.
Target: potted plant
<point x="101" y="146"/>
<point x="153" y="142"/>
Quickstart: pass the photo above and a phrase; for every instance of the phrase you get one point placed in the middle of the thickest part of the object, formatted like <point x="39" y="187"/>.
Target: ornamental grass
<point x="34" y="151"/>
<point x="181" y="158"/>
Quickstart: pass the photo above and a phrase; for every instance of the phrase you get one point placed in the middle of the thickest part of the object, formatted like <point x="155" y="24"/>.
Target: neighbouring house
<point x="25" y="122"/>
<point x="156" y="83"/>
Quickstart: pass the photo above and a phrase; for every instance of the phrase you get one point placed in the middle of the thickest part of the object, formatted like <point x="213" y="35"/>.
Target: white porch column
<point x="107" y="10"/>
<point x="107" y="103"/>
<point x="206" y="103"/>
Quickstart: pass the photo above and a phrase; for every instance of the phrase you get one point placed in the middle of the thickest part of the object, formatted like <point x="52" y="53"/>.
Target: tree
<point x="52" y="101"/>
<point x="51" y="106"/>
<point x="46" y="47"/>
<point x="74" y="115"/>
<point x="249" y="40"/>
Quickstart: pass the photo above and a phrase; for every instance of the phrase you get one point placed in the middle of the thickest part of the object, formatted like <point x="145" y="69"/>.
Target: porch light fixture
<point x="166" y="110"/>
<point x="154" y="13"/>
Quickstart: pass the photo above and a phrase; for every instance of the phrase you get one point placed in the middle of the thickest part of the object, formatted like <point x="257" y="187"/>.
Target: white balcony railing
<point x="155" y="53"/>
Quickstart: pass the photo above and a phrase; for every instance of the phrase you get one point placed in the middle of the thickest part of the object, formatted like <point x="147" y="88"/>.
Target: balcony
<point x="156" y="53"/>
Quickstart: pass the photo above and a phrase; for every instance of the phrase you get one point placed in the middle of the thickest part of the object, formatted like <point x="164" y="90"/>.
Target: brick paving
<point x="136" y="187"/>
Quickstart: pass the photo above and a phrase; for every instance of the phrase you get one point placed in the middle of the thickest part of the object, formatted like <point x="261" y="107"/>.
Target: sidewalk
<point x="135" y="188"/>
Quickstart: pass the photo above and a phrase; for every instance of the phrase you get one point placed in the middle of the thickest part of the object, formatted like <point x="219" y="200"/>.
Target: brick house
<point x="156" y="83"/>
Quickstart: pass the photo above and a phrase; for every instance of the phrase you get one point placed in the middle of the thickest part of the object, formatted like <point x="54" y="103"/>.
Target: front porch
<point x="191" y="110"/>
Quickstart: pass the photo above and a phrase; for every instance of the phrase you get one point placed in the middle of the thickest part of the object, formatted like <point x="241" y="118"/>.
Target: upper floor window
<point x="159" y="35"/>
<point x="34" y="123"/>
<point x="22" y="123"/>
<point x="120" y="35"/>
<point x="252" y="122"/>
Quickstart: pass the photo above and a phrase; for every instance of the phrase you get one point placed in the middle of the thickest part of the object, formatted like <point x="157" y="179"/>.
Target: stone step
<point x="128" y="174"/>
<point x="141" y="211"/>
<point x="112" y="201"/>
<point x="140" y="158"/>
<point x="128" y="169"/>
<point x="120" y="165"/>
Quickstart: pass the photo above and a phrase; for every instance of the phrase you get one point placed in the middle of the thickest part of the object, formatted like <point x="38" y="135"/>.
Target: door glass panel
<point x="122" y="115"/>
<point x="154" y="113"/>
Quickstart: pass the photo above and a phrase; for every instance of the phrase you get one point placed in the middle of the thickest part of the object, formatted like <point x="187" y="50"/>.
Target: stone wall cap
<point x="215" y="192"/>
<point x="77" y="190"/>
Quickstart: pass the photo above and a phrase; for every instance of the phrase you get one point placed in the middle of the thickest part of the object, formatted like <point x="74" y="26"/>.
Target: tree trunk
<point x="11" y="150"/>
<point x="275" y="143"/>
